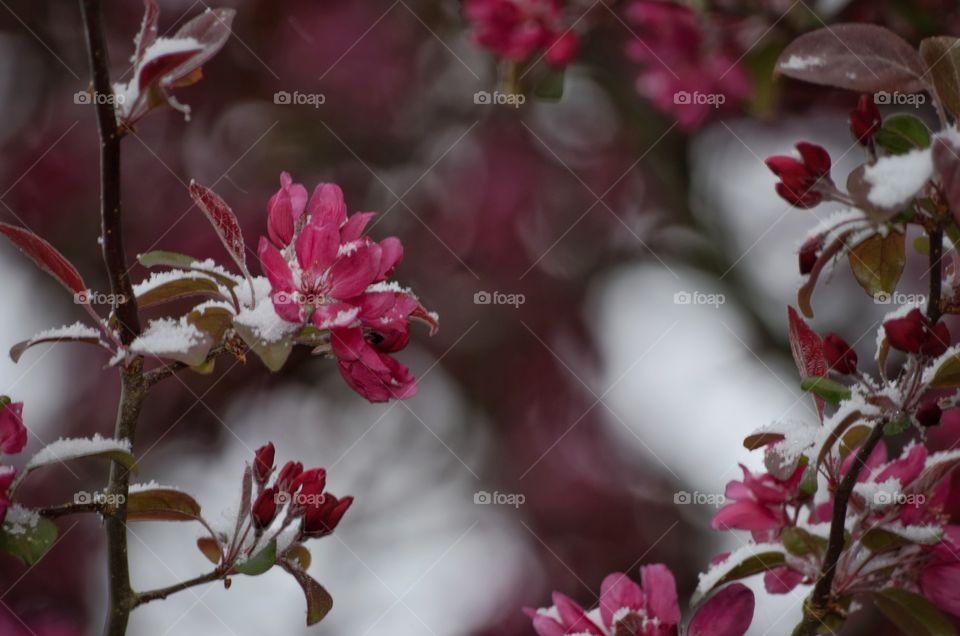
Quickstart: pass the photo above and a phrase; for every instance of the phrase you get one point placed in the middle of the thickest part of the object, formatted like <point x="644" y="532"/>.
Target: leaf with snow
<point x="260" y="562"/>
<point x="946" y="160"/>
<point x="749" y="559"/>
<point x="77" y="332"/>
<point x="942" y="56"/>
<point x="174" y="339"/>
<point x="26" y="535"/>
<point x="896" y="535"/>
<point x="165" y="287"/>
<point x="69" y="448"/>
<point x="896" y="179"/>
<point x="859" y="57"/>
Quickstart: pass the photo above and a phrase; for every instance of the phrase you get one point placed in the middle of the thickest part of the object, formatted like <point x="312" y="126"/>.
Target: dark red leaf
<point x="224" y="222"/>
<point x="46" y="257"/>
<point x="807" y="349"/>
<point x="212" y="30"/>
<point x="860" y="57"/>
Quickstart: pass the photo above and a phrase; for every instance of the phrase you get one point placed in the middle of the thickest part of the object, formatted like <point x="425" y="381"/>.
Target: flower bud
<point x="907" y="334"/>
<point x="13" y="434"/>
<point x="865" y="120"/>
<point x="289" y="472"/>
<point x="322" y="518"/>
<point x="263" y="463"/>
<point x="316" y="478"/>
<point x="937" y="340"/>
<point x="809" y="253"/>
<point x="840" y="356"/>
<point x="929" y="413"/>
<point x="798" y="178"/>
<point x="562" y="49"/>
<point x="265" y="508"/>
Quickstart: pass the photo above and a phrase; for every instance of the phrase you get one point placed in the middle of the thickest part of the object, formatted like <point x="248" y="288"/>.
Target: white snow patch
<point x="75" y="331"/>
<point x="263" y="319"/>
<point x="710" y="578"/>
<point x="70" y="448"/>
<point x="801" y="62"/>
<point x="167" y="335"/>
<point x="896" y="179"/>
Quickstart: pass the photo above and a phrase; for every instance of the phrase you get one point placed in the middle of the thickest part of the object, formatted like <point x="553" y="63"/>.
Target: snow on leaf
<point x="748" y="559"/>
<point x="176" y="339"/>
<point x="896" y="179"/>
<point x="68" y="448"/>
<point x="77" y="332"/>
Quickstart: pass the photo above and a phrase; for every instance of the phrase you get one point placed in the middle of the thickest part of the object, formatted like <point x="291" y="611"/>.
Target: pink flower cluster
<point x="13" y="437"/>
<point x="691" y="66"/>
<point x="324" y="271"/>
<point x="517" y="29"/>
<point x="647" y="609"/>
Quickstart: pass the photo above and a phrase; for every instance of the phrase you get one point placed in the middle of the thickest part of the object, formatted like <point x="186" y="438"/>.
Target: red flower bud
<point x="937" y="341"/>
<point x="865" y="120"/>
<point x="322" y="518"/>
<point x="562" y="49"/>
<point x="263" y="463"/>
<point x="929" y="414"/>
<point x="907" y="334"/>
<point x="315" y="479"/>
<point x="265" y="508"/>
<point x="840" y="356"/>
<point x="289" y="472"/>
<point x="798" y="179"/>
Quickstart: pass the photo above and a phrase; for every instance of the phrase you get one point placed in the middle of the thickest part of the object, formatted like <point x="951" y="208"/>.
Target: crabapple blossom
<point x="840" y="356"/>
<point x="13" y="434"/>
<point x="914" y="334"/>
<point x="648" y="609"/>
<point x="517" y="29"/>
<point x="800" y="179"/>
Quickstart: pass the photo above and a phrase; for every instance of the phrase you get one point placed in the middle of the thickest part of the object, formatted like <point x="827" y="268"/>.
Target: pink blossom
<point x="940" y="580"/>
<point x="371" y="373"/>
<point x="648" y="609"/>
<point x="517" y="29"/>
<point x="13" y="434"/>
<point x="758" y="503"/>
<point x="7" y="475"/>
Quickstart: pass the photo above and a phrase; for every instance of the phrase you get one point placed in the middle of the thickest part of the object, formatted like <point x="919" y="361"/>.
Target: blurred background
<point x="637" y="262"/>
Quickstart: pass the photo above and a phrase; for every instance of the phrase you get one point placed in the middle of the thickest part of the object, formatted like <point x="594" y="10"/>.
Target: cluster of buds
<point x="804" y="181"/>
<point x="13" y="437"/>
<point x="276" y="517"/>
<point x="517" y="29"/>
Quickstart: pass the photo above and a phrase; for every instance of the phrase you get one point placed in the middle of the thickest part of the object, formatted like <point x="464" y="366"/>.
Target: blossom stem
<point x="817" y="607"/>
<point x="936" y="275"/>
<point x="133" y="389"/>
<point x="70" y="509"/>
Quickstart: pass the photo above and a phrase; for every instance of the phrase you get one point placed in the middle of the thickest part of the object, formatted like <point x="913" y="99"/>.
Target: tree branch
<point x="132" y="387"/>
<point x="164" y="592"/>
<point x="63" y="510"/>
<point x="935" y="272"/>
<point x="166" y="370"/>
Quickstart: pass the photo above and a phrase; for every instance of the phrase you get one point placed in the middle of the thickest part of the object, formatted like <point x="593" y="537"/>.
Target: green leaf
<point x="319" y="601"/>
<point x="180" y="288"/>
<point x="273" y="354"/>
<point x="947" y="375"/>
<point x="753" y="564"/>
<point x="551" y="86"/>
<point x="902" y="133"/>
<point x="212" y="320"/>
<point x="160" y="258"/>
<point x="26" y="535"/>
<point x="942" y="56"/>
<point x="260" y="562"/>
<point x="299" y="556"/>
<point x="912" y="613"/>
<point x="831" y="391"/>
<point x="881" y="539"/>
<point x="162" y="504"/>
<point x="800" y="542"/>
<point x="808" y="483"/>
<point x="895" y="427"/>
<point x="877" y="263"/>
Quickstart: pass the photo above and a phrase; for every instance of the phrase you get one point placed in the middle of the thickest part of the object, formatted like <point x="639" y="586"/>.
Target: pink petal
<point x="618" y="591"/>
<point x="354" y="272"/>
<point x="327" y="206"/>
<point x="941" y="585"/>
<point x="280" y="219"/>
<point x="781" y="580"/>
<point x="277" y="271"/>
<point x="353" y="228"/>
<point x="745" y="515"/>
<point x="336" y="315"/>
<point x="660" y="588"/>
<point x="728" y="613"/>
<point x="391" y="255"/>
<point x="546" y="626"/>
<point x="905" y="469"/>
<point x="13" y="434"/>
<point x="317" y="248"/>
<point x="573" y="617"/>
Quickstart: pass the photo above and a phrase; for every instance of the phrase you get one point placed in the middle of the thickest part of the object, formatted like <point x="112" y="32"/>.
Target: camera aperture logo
<point x="696" y="98"/>
<point x="886" y="498"/>
<point x="499" y="99"/>
<point x="92" y="97"/>
<point x="282" y="498"/>
<point x="296" y="98"/>
<point x="699" y="298"/>
<point x="90" y="297"/>
<point x="697" y="498"/>
<point x="897" y="98"/>
<point x="484" y="498"/>
<point x="899" y="298"/>
<point x="498" y="298"/>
